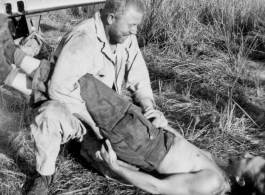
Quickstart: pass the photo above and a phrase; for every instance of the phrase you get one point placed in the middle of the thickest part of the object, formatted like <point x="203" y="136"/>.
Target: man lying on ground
<point x="186" y="168"/>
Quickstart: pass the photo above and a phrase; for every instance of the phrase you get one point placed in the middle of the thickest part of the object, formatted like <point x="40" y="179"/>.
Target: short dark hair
<point x="119" y="7"/>
<point x="257" y="181"/>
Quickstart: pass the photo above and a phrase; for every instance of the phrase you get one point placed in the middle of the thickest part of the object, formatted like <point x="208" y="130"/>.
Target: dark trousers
<point x="133" y="137"/>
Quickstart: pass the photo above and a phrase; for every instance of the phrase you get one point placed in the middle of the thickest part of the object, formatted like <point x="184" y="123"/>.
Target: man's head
<point x="121" y="18"/>
<point x="248" y="170"/>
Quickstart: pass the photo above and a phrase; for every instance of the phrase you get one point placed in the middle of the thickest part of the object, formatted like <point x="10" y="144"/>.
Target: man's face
<point x="124" y="26"/>
<point x="248" y="164"/>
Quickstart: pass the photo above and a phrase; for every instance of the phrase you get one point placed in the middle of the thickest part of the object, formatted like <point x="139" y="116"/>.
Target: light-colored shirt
<point x="85" y="49"/>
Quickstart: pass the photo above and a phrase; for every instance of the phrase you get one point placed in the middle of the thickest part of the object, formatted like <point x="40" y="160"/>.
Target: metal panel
<point x="39" y="6"/>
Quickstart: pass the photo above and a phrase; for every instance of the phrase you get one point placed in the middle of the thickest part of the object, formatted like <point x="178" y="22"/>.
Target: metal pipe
<point x="26" y="7"/>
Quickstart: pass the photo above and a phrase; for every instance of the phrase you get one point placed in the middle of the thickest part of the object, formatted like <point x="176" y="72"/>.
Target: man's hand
<point x="109" y="156"/>
<point x="159" y="118"/>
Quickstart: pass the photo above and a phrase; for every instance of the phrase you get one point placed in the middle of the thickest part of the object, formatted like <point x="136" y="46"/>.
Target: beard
<point x="116" y="37"/>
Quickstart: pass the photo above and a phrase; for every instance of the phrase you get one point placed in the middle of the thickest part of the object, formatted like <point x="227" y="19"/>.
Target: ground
<point x="206" y="63"/>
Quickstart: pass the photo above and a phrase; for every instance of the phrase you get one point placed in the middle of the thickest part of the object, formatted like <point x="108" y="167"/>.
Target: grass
<point x="206" y="63"/>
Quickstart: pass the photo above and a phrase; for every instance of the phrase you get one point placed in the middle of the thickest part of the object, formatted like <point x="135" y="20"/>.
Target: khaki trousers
<point x="53" y="126"/>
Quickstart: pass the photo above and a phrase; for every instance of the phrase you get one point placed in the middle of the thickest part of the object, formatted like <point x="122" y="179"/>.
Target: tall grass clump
<point x="205" y="47"/>
<point x="183" y="26"/>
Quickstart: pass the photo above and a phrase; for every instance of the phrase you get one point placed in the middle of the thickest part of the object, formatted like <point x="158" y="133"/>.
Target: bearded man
<point x="104" y="46"/>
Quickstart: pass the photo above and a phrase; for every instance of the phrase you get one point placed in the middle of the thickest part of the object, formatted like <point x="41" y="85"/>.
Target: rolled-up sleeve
<point x="74" y="61"/>
<point x="137" y="77"/>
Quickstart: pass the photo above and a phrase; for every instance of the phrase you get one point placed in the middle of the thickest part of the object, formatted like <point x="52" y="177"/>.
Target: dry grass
<point x="205" y="59"/>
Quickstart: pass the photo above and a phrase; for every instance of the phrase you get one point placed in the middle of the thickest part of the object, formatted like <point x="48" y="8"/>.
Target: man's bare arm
<point x="205" y="182"/>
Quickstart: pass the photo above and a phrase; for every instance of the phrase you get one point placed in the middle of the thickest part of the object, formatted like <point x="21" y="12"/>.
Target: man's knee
<point x="55" y="118"/>
<point x="53" y="109"/>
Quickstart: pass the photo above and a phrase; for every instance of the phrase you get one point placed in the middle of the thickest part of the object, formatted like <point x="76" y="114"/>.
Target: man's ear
<point x="240" y="181"/>
<point x="110" y="19"/>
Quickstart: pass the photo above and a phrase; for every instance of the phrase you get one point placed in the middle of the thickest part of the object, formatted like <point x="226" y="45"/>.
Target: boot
<point x="40" y="185"/>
